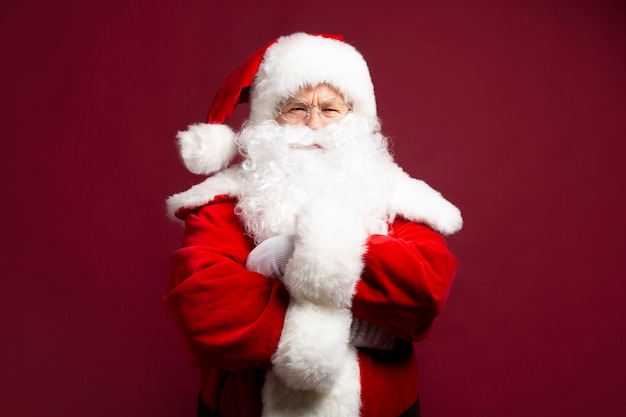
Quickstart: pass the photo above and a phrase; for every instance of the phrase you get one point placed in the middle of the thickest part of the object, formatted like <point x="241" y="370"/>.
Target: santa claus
<point x="309" y="267"/>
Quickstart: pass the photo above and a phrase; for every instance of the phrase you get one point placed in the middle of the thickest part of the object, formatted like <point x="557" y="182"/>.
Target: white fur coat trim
<point x="316" y="370"/>
<point x="343" y="400"/>
<point x="225" y="182"/>
<point x="313" y="346"/>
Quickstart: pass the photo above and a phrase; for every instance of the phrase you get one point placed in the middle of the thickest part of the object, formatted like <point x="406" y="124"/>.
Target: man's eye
<point x="294" y="108"/>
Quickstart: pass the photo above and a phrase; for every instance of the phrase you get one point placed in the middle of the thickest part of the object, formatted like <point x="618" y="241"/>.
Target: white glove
<point x="367" y="335"/>
<point x="270" y="256"/>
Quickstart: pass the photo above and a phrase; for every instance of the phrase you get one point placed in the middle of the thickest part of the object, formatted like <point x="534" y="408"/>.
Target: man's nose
<point x="315" y="121"/>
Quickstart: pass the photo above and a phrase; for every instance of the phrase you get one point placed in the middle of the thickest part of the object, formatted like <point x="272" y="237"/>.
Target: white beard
<point x="287" y="168"/>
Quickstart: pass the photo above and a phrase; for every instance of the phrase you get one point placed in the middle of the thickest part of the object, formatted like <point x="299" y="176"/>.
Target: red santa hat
<point x="276" y="71"/>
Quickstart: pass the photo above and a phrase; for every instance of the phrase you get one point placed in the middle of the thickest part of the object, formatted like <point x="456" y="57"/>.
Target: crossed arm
<point x="231" y="318"/>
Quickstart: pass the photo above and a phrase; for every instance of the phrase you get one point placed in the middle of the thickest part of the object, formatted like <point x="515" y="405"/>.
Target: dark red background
<point x="513" y="109"/>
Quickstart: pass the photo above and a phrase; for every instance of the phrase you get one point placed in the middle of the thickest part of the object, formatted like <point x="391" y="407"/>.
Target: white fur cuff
<point x="328" y="258"/>
<point x="280" y="400"/>
<point x="312" y="347"/>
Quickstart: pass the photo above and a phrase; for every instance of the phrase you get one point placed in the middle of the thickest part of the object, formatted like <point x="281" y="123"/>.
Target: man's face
<point x="315" y="107"/>
<point x="287" y="167"/>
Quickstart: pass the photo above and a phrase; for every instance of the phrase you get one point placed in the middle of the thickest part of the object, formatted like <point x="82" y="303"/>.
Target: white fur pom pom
<point x="206" y="148"/>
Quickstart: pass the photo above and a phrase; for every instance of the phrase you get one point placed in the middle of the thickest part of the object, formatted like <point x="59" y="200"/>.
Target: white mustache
<point x="305" y="138"/>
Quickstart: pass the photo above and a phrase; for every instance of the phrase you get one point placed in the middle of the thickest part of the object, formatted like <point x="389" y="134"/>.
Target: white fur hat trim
<point x="300" y="60"/>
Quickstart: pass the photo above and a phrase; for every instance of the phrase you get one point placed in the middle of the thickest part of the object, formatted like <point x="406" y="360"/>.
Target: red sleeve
<point x="406" y="280"/>
<point x="229" y="317"/>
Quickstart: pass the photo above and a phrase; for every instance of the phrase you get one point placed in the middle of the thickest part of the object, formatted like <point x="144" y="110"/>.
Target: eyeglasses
<point x="331" y="110"/>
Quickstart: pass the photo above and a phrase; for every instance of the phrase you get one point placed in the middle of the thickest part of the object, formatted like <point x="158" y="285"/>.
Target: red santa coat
<point x="231" y="318"/>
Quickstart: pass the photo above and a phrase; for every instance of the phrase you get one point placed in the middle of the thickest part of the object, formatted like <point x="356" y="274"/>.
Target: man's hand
<point x="270" y="256"/>
<point x="366" y="335"/>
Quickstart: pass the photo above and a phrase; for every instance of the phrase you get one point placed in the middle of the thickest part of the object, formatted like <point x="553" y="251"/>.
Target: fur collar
<point x="412" y="199"/>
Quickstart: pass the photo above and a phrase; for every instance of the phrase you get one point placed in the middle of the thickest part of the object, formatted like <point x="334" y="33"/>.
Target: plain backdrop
<point x="514" y="110"/>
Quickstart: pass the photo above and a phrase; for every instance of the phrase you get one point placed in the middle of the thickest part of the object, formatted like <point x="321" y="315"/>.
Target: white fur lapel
<point x="225" y="182"/>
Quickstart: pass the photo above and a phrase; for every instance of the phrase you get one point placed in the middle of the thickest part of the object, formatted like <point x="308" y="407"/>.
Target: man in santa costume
<point x="310" y="261"/>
